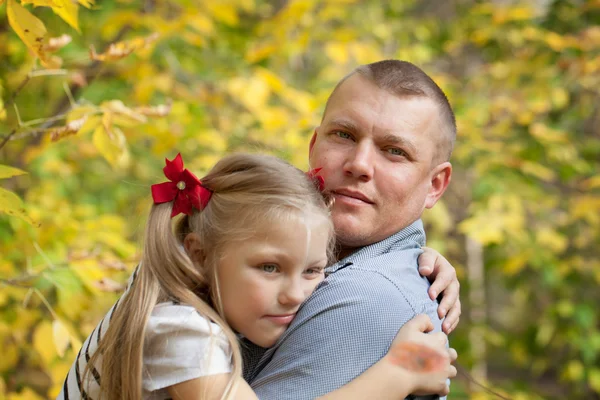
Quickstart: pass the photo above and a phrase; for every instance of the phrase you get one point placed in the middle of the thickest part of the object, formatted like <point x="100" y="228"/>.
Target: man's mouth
<point x="352" y="194"/>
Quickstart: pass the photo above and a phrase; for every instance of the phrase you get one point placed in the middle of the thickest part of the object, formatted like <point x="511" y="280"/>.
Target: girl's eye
<point x="396" y="152"/>
<point x="314" y="271"/>
<point x="343" y="135"/>
<point x="269" y="268"/>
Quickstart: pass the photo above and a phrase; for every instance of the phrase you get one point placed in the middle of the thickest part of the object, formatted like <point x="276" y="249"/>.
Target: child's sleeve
<point x="181" y="345"/>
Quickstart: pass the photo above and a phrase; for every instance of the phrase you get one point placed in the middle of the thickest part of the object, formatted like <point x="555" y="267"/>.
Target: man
<point x="382" y="148"/>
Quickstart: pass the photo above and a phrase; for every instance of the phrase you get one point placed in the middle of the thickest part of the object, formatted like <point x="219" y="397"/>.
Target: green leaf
<point x="2" y="109"/>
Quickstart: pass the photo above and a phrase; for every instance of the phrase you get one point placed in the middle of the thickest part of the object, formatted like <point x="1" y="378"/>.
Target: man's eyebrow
<point x="400" y="141"/>
<point x="344" y="123"/>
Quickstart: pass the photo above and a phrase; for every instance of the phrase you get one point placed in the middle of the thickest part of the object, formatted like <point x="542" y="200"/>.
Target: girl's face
<point x="264" y="280"/>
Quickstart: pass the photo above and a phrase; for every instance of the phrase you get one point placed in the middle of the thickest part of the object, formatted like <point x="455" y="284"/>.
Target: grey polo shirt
<point x="348" y="323"/>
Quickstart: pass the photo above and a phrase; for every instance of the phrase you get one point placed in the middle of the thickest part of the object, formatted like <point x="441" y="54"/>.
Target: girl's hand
<point x="424" y="357"/>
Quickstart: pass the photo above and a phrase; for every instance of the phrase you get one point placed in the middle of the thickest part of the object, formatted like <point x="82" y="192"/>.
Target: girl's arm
<point x="210" y="387"/>
<point x="417" y="363"/>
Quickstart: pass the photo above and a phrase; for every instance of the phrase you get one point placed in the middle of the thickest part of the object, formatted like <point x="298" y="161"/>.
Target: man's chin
<point x="350" y="236"/>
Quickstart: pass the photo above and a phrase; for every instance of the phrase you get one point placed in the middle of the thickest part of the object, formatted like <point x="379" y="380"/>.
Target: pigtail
<point x="120" y="350"/>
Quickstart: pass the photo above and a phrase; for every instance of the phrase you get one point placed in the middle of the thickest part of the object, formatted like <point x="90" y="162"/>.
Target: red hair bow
<point x="319" y="181"/>
<point x="185" y="189"/>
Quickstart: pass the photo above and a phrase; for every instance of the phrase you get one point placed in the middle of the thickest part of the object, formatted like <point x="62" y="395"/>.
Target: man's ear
<point x="194" y="249"/>
<point x="440" y="179"/>
<point x="313" y="139"/>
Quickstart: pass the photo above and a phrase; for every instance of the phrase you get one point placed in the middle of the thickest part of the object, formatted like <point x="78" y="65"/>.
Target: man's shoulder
<point x="395" y="270"/>
<point x="358" y="290"/>
<point x="387" y="284"/>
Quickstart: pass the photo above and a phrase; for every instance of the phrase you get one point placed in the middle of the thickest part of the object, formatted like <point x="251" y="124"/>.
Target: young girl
<point x="252" y="245"/>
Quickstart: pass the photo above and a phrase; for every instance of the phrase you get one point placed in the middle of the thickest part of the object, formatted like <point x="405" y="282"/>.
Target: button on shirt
<point x="348" y="323"/>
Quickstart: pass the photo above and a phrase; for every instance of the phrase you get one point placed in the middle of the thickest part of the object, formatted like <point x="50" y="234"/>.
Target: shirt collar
<point x="412" y="233"/>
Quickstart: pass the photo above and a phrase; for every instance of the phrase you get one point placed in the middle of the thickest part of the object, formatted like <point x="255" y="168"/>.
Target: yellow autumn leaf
<point x="161" y="110"/>
<point x="538" y="171"/>
<point x="68" y="10"/>
<point x="594" y="379"/>
<point x="259" y="52"/>
<point x="69" y="129"/>
<point x="337" y="52"/>
<point x="253" y="92"/>
<point x="90" y="273"/>
<point x="61" y="337"/>
<point x="41" y="3"/>
<point x="12" y="205"/>
<point x="546" y="134"/>
<point x="552" y="240"/>
<point x="225" y="13"/>
<point x="116" y="113"/>
<point x="560" y="97"/>
<point x="574" y="370"/>
<point x="25" y="394"/>
<point x="515" y="264"/>
<point x="8" y="172"/>
<point x="200" y="22"/>
<point x="86" y="3"/>
<point x="275" y="82"/>
<point x="43" y="342"/>
<point x="59" y="370"/>
<point x="9" y="358"/>
<point x="110" y="142"/>
<point x="301" y="101"/>
<point x="91" y="123"/>
<point x="555" y="41"/>
<point x="520" y="13"/>
<point x="592" y="183"/>
<point x="31" y="31"/>
<point x="119" y="50"/>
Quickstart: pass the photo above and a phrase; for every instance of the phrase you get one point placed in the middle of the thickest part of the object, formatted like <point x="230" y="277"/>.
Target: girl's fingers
<point x="453" y="354"/>
<point x="420" y="323"/>
<point x="452" y="373"/>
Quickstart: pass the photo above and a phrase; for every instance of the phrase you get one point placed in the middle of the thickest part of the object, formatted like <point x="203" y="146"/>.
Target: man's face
<point x="376" y="151"/>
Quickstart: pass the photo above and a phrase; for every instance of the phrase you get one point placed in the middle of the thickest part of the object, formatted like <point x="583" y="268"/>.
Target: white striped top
<point x="179" y="345"/>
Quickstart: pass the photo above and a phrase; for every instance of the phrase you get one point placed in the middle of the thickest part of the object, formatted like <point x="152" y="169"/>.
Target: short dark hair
<point x="405" y="79"/>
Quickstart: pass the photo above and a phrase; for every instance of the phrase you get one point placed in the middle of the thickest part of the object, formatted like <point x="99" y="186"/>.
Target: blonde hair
<point x="247" y="191"/>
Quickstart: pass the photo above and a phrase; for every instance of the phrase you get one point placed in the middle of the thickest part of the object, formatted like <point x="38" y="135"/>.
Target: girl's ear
<point x="194" y="249"/>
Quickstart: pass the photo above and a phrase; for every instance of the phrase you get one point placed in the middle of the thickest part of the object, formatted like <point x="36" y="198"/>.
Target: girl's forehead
<point x="295" y="230"/>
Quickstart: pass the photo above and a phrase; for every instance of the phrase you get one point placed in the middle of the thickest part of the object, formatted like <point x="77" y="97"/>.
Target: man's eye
<point x="343" y="135"/>
<point x="269" y="268"/>
<point x="396" y="152"/>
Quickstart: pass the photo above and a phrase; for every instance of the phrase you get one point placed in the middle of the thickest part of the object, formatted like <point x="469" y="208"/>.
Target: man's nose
<point x="359" y="162"/>
<point x="292" y="293"/>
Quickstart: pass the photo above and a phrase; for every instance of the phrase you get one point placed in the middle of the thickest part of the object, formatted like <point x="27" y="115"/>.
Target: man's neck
<point x="344" y="252"/>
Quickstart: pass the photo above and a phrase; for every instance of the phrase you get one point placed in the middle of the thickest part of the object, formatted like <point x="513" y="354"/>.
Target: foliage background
<point x="521" y="221"/>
